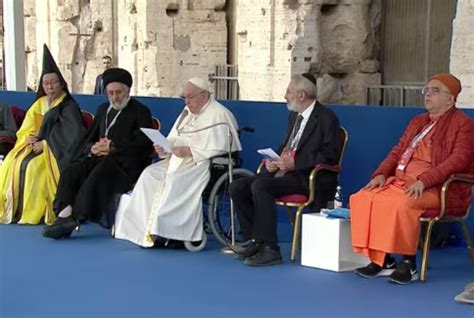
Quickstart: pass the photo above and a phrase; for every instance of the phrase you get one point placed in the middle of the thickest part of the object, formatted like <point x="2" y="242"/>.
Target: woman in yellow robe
<point x="45" y="142"/>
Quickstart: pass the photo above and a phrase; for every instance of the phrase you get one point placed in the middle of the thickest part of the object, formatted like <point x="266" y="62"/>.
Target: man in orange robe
<point x="385" y="213"/>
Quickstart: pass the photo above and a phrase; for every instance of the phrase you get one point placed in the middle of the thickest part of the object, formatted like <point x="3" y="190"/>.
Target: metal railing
<point x="395" y="95"/>
<point x="226" y="82"/>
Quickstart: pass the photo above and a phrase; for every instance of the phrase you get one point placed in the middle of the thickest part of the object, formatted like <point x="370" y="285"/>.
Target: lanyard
<point x="408" y="153"/>
<point x="421" y="135"/>
<point x="296" y="139"/>
<point x="108" y="126"/>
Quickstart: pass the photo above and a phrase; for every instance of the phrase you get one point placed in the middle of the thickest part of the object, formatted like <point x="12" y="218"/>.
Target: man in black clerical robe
<point x="108" y="161"/>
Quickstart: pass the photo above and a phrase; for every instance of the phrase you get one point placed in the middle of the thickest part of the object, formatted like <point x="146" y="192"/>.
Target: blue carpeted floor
<point x="92" y="275"/>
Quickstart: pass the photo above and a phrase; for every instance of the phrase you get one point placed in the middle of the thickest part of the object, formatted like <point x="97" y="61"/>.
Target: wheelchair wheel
<point x="196" y="246"/>
<point x="218" y="213"/>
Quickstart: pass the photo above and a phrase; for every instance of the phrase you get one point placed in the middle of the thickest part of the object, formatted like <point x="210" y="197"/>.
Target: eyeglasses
<point x="52" y="83"/>
<point x="433" y="90"/>
<point x="190" y="96"/>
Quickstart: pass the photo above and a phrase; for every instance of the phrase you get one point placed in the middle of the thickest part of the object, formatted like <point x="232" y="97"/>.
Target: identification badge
<point x="406" y="156"/>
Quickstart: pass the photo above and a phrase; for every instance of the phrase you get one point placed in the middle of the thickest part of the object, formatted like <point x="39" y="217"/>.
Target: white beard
<point x="120" y="106"/>
<point x="291" y="107"/>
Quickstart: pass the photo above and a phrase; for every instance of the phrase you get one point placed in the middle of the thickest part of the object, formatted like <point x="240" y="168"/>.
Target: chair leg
<point x="467" y="236"/>
<point x="296" y="233"/>
<point x="291" y="217"/>
<point x="426" y="250"/>
<point x="421" y="242"/>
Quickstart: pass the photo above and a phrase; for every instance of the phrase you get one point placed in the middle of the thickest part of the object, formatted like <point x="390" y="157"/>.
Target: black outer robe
<point x="63" y="129"/>
<point x="91" y="182"/>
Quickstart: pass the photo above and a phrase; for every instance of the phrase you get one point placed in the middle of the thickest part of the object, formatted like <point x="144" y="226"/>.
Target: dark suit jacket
<point x="99" y="88"/>
<point x="320" y="144"/>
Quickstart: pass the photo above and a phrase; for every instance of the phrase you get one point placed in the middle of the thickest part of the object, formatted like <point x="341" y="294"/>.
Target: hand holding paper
<point x="269" y="154"/>
<point x="157" y="138"/>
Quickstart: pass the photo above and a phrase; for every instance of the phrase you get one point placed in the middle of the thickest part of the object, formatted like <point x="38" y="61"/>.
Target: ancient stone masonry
<point x="162" y="43"/>
<point x="462" y="49"/>
<point x="165" y="42"/>
<point x="334" y="40"/>
<point x="77" y="32"/>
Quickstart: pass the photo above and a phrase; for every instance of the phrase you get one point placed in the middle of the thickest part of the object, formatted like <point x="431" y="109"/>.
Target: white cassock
<point x="167" y="199"/>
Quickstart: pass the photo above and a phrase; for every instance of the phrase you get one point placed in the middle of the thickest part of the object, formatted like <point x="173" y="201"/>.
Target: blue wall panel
<point x="372" y="130"/>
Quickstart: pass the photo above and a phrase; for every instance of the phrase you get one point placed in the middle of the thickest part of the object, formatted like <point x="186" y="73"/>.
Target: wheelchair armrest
<point x="458" y="178"/>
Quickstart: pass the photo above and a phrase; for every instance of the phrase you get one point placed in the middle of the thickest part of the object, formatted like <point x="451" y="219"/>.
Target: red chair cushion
<point x="18" y="115"/>
<point x="293" y="198"/>
<point x="432" y="213"/>
<point x="87" y="119"/>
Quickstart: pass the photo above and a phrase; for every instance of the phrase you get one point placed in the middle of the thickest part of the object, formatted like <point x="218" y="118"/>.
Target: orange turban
<point x="451" y="82"/>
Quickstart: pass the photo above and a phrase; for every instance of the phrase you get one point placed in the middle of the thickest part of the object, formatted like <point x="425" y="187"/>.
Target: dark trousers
<point x="89" y="186"/>
<point x="254" y="199"/>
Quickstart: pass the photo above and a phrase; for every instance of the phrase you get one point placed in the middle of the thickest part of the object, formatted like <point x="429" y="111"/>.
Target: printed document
<point x="269" y="154"/>
<point x="157" y="138"/>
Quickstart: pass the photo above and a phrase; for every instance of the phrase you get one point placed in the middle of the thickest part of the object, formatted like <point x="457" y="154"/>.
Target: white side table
<point x="326" y="244"/>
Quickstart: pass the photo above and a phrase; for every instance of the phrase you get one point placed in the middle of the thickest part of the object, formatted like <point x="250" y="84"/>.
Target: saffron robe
<point x="167" y="199"/>
<point x="28" y="182"/>
<point x="386" y="220"/>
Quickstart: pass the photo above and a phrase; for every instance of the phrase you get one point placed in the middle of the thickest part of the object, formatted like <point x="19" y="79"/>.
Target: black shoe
<point x="405" y="273"/>
<point x="240" y="246"/>
<point x="163" y="242"/>
<point x="174" y="244"/>
<point x="250" y="250"/>
<point x="265" y="256"/>
<point x="235" y="248"/>
<point x="373" y="270"/>
<point x="61" y="228"/>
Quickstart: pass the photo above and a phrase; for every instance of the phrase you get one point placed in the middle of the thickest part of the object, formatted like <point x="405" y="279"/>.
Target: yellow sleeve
<point x="31" y="123"/>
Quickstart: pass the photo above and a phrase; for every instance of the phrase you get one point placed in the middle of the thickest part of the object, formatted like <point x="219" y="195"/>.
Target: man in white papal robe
<point x="167" y="199"/>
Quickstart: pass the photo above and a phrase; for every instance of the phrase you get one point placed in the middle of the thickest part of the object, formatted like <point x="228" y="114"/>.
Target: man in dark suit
<point x="99" y="84"/>
<point x="108" y="161"/>
<point x="312" y="138"/>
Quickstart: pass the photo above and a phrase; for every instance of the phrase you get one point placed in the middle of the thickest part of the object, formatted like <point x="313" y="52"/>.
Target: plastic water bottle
<point x="338" y="198"/>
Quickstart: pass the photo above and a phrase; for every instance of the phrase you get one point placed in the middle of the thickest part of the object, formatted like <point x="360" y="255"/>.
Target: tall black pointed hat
<point x="49" y="66"/>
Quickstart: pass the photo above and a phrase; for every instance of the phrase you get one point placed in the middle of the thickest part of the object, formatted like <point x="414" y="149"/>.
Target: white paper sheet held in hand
<point x="269" y="154"/>
<point x="157" y="138"/>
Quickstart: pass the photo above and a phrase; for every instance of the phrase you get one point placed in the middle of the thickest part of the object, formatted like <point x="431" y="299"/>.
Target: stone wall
<point x="162" y="43"/>
<point x="337" y="41"/>
<point x="165" y="42"/>
<point x="462" y="48"/>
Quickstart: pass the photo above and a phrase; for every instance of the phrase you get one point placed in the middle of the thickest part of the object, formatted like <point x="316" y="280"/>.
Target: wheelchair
<point x="216" y="200"/>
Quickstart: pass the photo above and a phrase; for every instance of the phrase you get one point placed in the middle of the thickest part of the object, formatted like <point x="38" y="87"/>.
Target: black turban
<point x="117" y="75"/>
